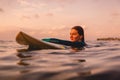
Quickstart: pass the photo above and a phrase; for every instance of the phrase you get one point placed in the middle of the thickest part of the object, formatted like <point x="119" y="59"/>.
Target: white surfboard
<point x="33" y="43"/>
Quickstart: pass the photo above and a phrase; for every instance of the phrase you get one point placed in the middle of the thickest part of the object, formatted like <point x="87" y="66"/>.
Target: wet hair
<point x="80" y="31"/>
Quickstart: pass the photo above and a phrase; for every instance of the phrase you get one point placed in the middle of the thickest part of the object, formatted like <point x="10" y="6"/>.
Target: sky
<point x="55" y="18"/>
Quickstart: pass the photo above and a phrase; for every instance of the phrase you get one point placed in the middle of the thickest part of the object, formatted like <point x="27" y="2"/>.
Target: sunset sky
<point x="54" y="18"/>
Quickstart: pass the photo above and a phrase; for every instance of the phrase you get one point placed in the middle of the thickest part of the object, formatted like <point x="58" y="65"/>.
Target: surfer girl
<point x="77" y="40"/>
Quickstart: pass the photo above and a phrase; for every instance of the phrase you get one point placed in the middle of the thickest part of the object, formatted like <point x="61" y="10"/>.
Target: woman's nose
<point x="71" y="36"/>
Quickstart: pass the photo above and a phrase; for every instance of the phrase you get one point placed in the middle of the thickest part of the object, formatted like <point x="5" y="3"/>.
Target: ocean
<point x="100" y="60"/>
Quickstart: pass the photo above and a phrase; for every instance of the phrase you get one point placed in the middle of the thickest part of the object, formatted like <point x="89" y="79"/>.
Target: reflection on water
<point x="22" y="62"/>
<point x="98" y="61"/>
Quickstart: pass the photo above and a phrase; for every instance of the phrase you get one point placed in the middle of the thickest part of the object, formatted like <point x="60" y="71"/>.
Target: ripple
<point x="99" y="61"/>
<point x="2" y="51"/>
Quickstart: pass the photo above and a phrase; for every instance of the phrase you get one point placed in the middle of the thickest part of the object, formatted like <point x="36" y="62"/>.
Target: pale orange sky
<point x="54" y="18"/>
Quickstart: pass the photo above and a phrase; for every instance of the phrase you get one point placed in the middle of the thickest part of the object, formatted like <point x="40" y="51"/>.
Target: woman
<point x="76" y="37"/>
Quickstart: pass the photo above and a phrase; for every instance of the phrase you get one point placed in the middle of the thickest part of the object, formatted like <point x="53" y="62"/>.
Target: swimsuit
<point x="65" y="42"/>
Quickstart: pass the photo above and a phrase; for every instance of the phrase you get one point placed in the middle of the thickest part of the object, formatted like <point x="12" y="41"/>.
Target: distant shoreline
<point x="108" y="39"/>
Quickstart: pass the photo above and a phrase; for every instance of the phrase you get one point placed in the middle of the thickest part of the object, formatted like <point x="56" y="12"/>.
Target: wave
<point x="98" y="61"/>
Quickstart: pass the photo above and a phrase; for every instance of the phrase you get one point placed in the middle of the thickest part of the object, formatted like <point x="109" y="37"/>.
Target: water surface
<point x="98" y="61"/>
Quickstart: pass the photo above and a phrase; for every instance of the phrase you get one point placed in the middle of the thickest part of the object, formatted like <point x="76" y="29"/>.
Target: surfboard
<point x="33" y="43"/>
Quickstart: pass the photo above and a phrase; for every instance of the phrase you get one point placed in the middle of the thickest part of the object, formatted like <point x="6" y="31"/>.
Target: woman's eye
<point x="74" y="34"/>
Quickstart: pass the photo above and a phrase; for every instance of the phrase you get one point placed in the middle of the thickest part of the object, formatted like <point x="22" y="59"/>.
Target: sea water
<point x="100" y="60"/>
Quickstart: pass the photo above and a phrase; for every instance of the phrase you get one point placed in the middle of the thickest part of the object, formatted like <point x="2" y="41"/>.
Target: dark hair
<point x="80" y="31"/>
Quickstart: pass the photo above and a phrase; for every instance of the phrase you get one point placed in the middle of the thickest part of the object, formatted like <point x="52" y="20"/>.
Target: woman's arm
<point x="65" y="42"/>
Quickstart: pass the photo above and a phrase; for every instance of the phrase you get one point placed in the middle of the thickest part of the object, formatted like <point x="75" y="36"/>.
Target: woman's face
<point x="74" y="35"/>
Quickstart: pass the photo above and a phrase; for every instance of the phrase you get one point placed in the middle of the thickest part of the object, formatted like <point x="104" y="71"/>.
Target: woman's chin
<point x="73" y="40"/>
